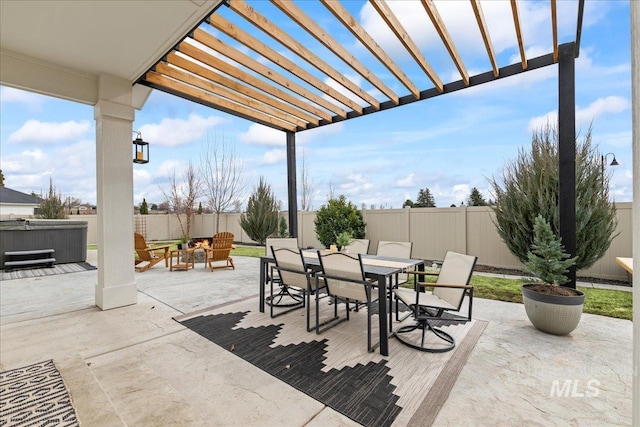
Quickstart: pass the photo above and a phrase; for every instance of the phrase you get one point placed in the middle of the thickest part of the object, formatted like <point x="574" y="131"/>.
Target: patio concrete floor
<point x="136" y="366"/>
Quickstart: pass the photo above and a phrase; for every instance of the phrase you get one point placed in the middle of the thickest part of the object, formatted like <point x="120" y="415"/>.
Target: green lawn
<point x="603" y="302"/>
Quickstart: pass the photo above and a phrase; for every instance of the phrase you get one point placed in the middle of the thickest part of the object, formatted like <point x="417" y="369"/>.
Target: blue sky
<point x="448" y="144"/>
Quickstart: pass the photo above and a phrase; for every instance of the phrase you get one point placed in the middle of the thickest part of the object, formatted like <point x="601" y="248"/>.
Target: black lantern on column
<point x="140" y="149"/>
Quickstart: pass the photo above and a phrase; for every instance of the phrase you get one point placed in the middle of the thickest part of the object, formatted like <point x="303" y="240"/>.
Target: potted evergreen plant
<point x="343" y="239"/>
<point x="550" y="307"/>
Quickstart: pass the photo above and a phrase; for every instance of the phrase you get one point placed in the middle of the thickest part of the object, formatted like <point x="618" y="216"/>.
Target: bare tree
<point x="306" y="198"/>
<point x="331" y="191"/>
<point x="222" y="176"/>
<point x="182" y="197"/>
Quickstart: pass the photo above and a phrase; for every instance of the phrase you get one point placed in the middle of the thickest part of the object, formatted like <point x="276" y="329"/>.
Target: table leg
<point x="382" y="314"/>
<point x="263" y="267"/>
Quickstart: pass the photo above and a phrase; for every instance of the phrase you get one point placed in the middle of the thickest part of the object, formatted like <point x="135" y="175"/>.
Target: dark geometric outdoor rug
<point x="35" y="395"/>
<point x="73" y="267"/>
<point x="335" y="367"/>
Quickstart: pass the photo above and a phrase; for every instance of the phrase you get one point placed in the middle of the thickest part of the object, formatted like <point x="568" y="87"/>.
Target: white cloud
<point x="584" y="116"/>
<point x="168" y="167"/>
<point x="460" y="21"/>
<point x="32" y="100"/>
<point x="407" y="181"/>
<point x="173" y="132"/>
<point x="37" y="131"/>
<point x="274" y="156"/>
<point x="321" y="132"/>
<point x="263" y="135"/>
<point x="461" y="192"/>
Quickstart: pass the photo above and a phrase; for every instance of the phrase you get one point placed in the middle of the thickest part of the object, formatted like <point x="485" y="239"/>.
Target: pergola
<point x="108" y="54"/>
<point x="292" y="95"/>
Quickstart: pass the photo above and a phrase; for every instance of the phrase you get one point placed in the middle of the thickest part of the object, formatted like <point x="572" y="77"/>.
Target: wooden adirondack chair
<point x="221" y="246"/>
<point x="148" y="256"/>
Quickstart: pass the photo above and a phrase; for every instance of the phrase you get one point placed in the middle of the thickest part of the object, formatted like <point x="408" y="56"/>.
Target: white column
<point x="114" y="117"/>
<point x="635" y="102"/>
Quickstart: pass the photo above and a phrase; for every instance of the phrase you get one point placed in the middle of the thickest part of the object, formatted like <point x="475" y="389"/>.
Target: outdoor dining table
<point x="381" y="268"/>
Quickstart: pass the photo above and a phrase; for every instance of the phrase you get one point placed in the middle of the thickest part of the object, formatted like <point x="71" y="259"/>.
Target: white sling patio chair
<point x="447" y="295"/>
<point x="295" y="285"/>
<point x="358" y="246"/>
<point x="396" y="250"/>
<point x="343" y="276"/>
<point x="278" y="242"/>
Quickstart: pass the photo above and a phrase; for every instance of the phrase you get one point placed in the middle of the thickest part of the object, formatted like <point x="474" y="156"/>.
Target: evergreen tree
<point x="476" y="198"/>
<point x="547" y="259"/>
<point x="154" y="206"/>
<point x="1" y="178"/>
<point x="200" y="210"/>
<point x="425" y="199"/>
<point x="283" y="229"/>
<point x="529" y="187"/>
<point x="337" y="216"/>
<point x="261" y="218"/>
<point x="409" y="203"/>
<point x="51" y="206"/>
<point x="144" y="208"/>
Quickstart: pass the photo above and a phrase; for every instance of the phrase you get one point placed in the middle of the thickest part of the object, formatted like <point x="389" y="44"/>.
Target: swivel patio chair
<point x="343" y="276"/>
<point x="278" y="242"/>
<point x="149" y="256"/>
<point x="448" y="294"/>
<point x="295" y="282"/>
<point x="221" y="246"/>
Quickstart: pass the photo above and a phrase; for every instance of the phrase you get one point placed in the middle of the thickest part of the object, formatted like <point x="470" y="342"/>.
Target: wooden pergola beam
<point x="208" y="85"/>
<point x="394" y="24"/>
<point x="191" y="92"/>
<point x="363" y="36"/>
<point x="477" y="11"/>
<point x="248" y="13"/>
<point x="196" y="53"/>
<point x="432" y="11"/>
<point x="210" y="41"/>
<point x="298" y="16"/>
<point x="516" y="23"/>
<point x="221" y="24"/>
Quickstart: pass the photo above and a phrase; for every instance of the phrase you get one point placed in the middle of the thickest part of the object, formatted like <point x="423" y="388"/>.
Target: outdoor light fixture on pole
<point x="603" y="159"/>
<point x="141" y="149"/>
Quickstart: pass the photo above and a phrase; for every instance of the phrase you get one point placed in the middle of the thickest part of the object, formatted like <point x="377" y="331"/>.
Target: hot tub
<point x="67" y="238"/>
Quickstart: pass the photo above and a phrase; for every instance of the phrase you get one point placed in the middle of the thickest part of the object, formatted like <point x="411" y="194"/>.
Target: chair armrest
<point x="423" y="273"/>
<point x="442" y="285"/>
<point x="156" y="248"/>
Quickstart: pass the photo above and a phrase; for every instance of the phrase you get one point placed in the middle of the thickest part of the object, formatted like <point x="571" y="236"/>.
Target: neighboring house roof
<point x="9" y="196"/>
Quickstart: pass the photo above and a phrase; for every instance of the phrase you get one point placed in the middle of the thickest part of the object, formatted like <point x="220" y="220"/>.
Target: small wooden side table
<point x="189" y="259"/>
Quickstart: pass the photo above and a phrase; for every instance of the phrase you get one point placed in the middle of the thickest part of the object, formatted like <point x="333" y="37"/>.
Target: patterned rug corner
<point x="35" y="395"/>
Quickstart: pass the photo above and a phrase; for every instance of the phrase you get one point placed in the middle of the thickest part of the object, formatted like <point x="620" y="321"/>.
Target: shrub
<point x="51" y="206"/>
<point x="529" y="187"/>
<point x="337" y="216"/>
<point x="261" y="218"/>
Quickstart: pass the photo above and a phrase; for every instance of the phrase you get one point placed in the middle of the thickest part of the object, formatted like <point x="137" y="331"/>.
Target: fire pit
<point x="200" y="243"/>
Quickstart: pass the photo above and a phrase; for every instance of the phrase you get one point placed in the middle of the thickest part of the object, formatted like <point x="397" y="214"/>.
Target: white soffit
<point x="120" y="38"/>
